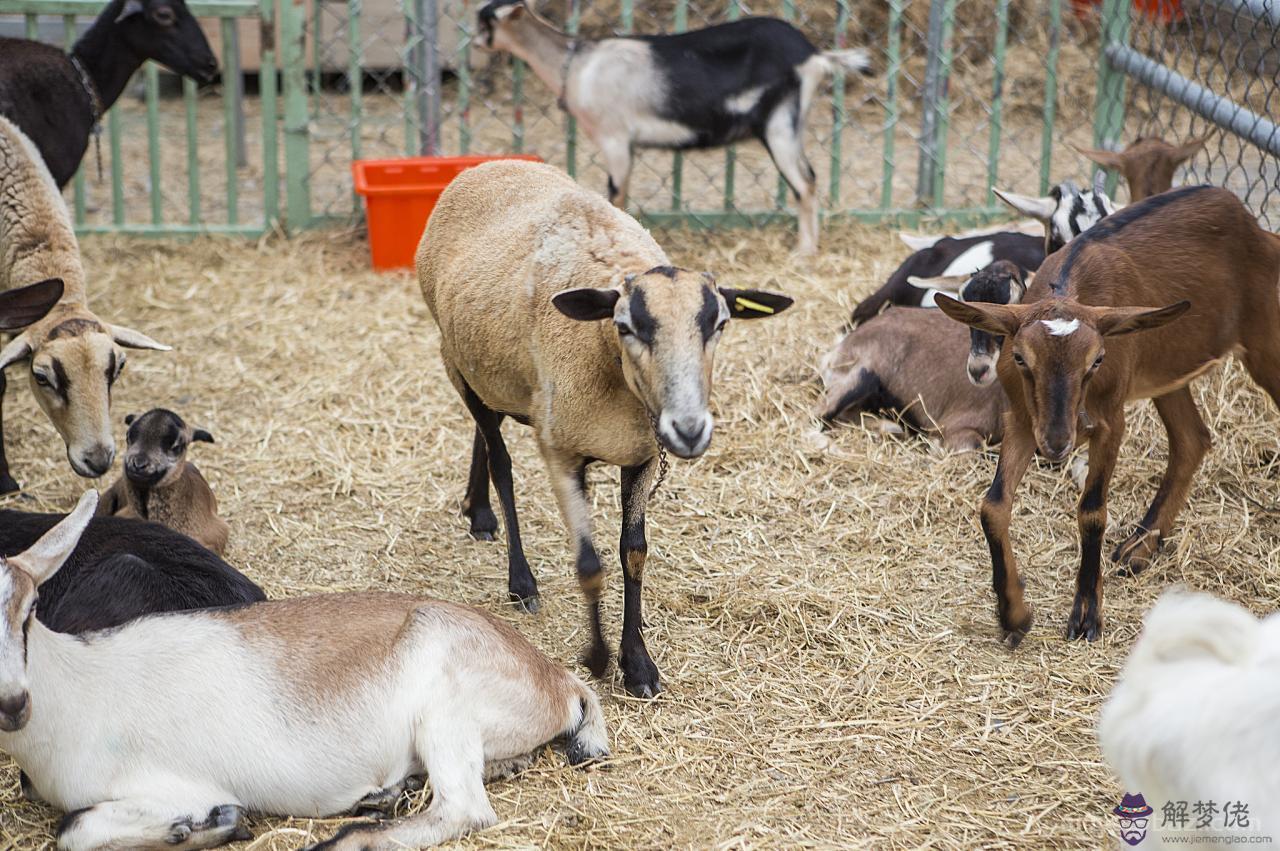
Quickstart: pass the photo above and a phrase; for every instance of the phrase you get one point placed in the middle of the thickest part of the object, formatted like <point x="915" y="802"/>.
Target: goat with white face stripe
<point x="1066" y="212"/>
<point x="306" y="707"/>
<point x="753" y="78"/>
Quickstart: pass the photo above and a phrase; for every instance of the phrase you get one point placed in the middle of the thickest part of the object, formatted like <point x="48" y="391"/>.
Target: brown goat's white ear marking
<point x="43" y="558"/>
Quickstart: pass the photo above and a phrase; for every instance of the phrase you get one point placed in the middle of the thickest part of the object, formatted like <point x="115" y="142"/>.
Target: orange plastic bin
<point x="399" y="196"/>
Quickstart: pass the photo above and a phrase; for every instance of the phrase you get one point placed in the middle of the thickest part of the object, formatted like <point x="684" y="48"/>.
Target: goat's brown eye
<point x="164" y="16"/>
<point x="1097" y="362"/>
<point x="1019" y="359"/>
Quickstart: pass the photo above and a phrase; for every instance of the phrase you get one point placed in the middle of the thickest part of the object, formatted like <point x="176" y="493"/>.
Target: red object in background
<point x="1156" y="11"/>
<point x="399" y="196"/>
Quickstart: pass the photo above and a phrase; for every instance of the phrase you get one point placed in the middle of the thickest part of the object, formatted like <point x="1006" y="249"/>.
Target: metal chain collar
<point x="95" y="103"/>
<point x="664" y="463"/>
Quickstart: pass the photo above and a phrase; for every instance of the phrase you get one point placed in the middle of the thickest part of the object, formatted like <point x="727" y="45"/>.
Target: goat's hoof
<point x="1012" y="638"/>
<point x="1085" y="622"/>
<point x="484" y="525"/>
<point x="597" y="659"/>
<point x="8" y="485"/>
<point x="640" y="677"/>
<point x="483" y="535"/>
<point x="1137" y="552"/>
<point x="1014" y="625"/>
<point x="527" y="603"/>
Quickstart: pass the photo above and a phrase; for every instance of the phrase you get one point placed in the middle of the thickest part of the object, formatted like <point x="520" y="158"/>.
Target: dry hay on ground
<point x="823" y="619"/>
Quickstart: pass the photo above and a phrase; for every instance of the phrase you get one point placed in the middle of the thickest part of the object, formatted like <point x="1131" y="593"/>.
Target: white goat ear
<point x="945" y="283"/>
<point x="917" y="242"/>
<point x="131" y="8"/>
<point x="1040" y="209"/>
<point x="43" y="558"/>
<point x="132" y="339"/>
<point x="18" y="349"/>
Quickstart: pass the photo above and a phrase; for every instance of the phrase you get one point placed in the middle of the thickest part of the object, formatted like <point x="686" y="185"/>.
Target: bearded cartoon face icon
<point x="1133" y="813"/>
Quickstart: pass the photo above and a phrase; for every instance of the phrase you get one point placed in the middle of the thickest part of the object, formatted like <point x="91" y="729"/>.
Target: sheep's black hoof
<point x="1085" y="621"/>
<point x="8" y="485"/>
<point x="529" y="604"/>
<point x="484" y="525"/>
<point x="639" y="675"/>
<point x="483" y="535"/>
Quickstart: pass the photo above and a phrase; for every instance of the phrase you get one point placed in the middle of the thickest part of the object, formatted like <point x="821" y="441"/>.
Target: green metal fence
<point x="969" y="95"/>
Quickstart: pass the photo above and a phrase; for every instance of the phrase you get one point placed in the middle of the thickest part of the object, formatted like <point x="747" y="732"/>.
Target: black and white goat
<point x="1066" y="212"/>
<point x="753" y="78"/>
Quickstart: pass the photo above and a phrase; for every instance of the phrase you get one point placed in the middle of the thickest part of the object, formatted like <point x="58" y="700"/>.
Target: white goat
<point x="1194" y="715"/>
<point x="161" y="733"/>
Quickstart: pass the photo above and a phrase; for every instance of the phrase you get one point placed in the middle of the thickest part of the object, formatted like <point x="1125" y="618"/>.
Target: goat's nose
<point x="1056" y="449"/>
<point x="14" y="711"/>
<point x="979" y="374"/>
<point x="96" y="461"/>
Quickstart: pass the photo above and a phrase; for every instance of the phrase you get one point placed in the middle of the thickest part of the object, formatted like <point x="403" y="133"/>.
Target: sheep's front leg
<point x="142" y="824"/>
<point x="997" y="508"/>
<point x="639" y="674"/>
<point x="1086" y="611"/>
<point x="567" y="478"/>
<point x="7" y="483"/>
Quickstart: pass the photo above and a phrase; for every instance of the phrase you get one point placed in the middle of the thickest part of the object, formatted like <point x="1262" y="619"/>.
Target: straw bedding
<point x="822" y="614"/>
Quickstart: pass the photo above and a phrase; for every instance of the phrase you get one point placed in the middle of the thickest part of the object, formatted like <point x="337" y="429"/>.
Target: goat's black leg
<point x="639" y="674"/>
<point x="475" y="505"/>
<point x="7" y="484"/>
<point x="521" y="585"/>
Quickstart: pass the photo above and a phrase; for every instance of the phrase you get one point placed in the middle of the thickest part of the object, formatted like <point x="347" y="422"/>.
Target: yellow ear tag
<point x="747" y="304"/>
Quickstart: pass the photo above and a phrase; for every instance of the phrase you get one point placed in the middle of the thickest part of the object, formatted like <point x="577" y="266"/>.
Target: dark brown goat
<point x="1196" y="250"/>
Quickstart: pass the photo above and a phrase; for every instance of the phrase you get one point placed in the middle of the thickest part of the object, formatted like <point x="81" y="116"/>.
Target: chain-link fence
<point x="990" y="90"/>
<point x="1200" y="66"/>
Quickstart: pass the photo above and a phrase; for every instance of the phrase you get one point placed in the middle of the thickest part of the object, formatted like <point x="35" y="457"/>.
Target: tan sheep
<point x="74" y="356"/>
<point x="561" y="312"/>
<point x="159" y="483"/>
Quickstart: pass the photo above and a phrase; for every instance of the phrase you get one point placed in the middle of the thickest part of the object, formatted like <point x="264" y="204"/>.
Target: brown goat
<point x="1147" y="164"/>
<point x="1196" y="244"/>
<point x="907" y="361"/>
<point x="160" y="485"/>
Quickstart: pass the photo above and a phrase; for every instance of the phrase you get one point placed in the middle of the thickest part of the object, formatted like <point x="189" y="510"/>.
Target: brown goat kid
<point x="1192" y="246"/>
<point x="1148" y="165"/>
<point x="159" y="483"/>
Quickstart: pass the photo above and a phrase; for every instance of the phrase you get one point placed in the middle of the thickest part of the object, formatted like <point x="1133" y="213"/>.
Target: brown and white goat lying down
<point x="304" y="707"/>
<point x="73" y="357"/>
<point x="561" y="312"/>
<point x="1071" y="360"/>
<point x="159" y="483"/>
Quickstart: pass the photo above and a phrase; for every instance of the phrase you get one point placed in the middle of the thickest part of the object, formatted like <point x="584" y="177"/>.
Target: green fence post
<point x="193" y="151"/>
<point x="680" y="24"/>
<point x="891" y="102"/>
<point x="1108" y="121"/>
<point x="789" y="15"/>
<point x="1050" y="94"/>
<point x="69" y="35"/>
<point x="267" y="94"/>
<point x="464" y="86"/>
<point x="355" y="75"/>
<point x="117" y="168"/>
<point x="997" y="98"/>
<point x="32" y="26"/>
<point x="410" y="64"/>
<point x="571" y="124"/>
<point x="731" y="152"/>
<point x="151" y="76"/>
<point x="931" y="173"/>
<point x="230" y="120"/>
<point x="297" y="157"/>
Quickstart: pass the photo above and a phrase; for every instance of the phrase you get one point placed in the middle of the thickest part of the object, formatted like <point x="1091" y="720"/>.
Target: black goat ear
<point x="131" y="8"/>
<point x="129" y="418"/>
<point x="202" y="436"/>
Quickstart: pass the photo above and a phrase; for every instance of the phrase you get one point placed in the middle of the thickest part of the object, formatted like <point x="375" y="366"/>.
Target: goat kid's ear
<point x="43" y="558"/>
<point x="754" y="304"/>
<point x="998" y="319"/>
<point x="945" y="283"/>
<point x="1040" y="209"/>
<point x="917" y="242"/>
<point x="131" y="8"/>
<point x="1106" y="159"/>
<point x="132" y="339"/>
<point x="19" y="348"/>
<point x="587" y="304"/>
<point x="201" y="435"/>
<point x="20" y="307"/>
<point x="1126" y="320"/>
<point x="129" y="418"/>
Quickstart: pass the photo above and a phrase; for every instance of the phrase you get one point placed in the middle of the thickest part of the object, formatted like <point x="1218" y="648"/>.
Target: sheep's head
<point x="494" y="20"/>
<point x="165" y="30"/>
<point x="74" y="360"/>
<point x="668" y="322"/>
<point x="157" y="445"/>
<point x="20" y="576"/>
<point x="1001" y="282"/>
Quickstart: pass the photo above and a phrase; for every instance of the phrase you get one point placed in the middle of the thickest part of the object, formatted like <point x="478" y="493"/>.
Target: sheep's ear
<point x="19" y="348"/>
<point x="587" y="304"/>
<point x="1040" y="209"/>
<point x="945" y="283"/>
<point x="755" y="304"/>
<point x="132" y="339"/>
<point x="43" y="558"/>
<point x="129" y="418"/>
<point x="201" y="435"/>
<point x="20" y="307"/>
<point x="131" y="8"/>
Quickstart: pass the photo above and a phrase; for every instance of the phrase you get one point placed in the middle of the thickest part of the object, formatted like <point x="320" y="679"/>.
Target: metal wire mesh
<point x="1015" y="84"/>
<point x="1230" y="49"/>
